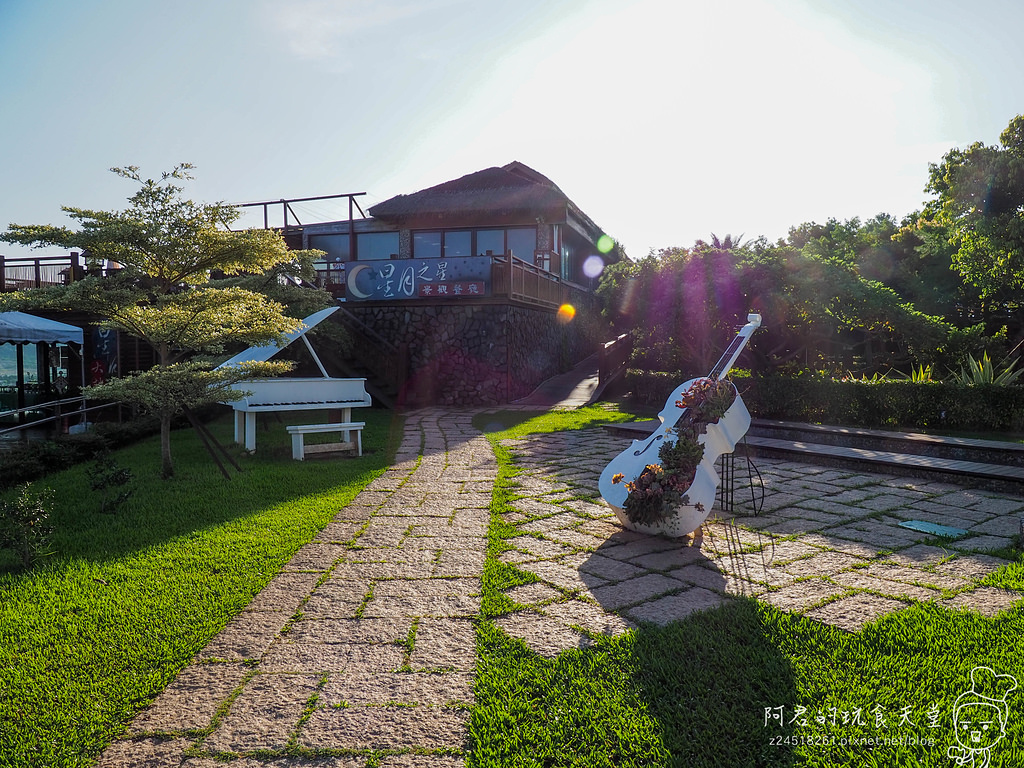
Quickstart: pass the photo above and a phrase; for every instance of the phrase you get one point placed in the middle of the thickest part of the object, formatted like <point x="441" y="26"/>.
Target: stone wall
<point x="478" y="354"/>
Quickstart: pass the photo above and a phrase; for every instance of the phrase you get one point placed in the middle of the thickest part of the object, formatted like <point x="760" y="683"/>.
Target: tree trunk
<point x="166" y="463"/>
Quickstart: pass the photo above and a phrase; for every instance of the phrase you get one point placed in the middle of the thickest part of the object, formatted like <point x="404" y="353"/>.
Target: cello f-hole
<point x="642" y="452"/>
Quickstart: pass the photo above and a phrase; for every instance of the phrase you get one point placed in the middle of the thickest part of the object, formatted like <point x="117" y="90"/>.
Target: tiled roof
<point x="513" y="187"/>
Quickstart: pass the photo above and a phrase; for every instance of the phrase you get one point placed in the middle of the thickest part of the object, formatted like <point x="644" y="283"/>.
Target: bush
<point x="881" y="404"/>
<point x="30" y="461"/>
<point x="24" y="525"/>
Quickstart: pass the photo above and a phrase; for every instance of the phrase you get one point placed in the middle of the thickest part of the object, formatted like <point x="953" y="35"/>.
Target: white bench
<point x="299" y="432"/>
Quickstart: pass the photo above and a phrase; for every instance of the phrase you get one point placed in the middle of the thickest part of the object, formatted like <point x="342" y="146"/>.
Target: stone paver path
<point x="363" y="645"/>
<point x="827" y="544"/>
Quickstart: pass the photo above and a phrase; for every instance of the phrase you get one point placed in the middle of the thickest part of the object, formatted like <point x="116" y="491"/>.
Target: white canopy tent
<point x="22" y="328"/>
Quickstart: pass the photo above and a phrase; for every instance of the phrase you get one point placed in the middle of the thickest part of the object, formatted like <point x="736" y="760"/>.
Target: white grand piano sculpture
<point x="293" y="394"/>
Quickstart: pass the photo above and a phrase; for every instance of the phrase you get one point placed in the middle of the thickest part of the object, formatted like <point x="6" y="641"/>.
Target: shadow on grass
<point x="199" y="497"/>
<point x="688" y="694"/>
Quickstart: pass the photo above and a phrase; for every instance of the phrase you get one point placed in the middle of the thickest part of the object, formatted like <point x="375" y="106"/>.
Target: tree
<point x="980" y="199"/>
<point x="684" y="305"/>
<point x="168" y="248"/>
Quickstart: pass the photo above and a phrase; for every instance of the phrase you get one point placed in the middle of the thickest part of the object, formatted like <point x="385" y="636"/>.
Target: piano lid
<point x="264" y="352"/>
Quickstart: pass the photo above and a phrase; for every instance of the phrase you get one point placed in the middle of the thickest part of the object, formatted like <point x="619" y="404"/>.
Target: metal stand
<point x="726" y="498"/>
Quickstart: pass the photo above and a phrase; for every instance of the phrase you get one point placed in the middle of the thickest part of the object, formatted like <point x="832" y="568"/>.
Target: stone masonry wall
<point x="478" y="354"/>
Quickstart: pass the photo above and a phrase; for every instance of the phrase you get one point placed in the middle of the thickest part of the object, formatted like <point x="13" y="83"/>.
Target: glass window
<point x="492" y="240"/>
<point x="522" y="243"/>
<point x="336" y="246"/>
<point x="458" y="243"/>
<point x="426" y="245"/>
<point x="372" y="246"/>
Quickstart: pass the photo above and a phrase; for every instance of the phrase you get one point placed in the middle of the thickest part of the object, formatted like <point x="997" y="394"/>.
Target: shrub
<point x="109" y="480"/>
<point x="891" y="404"/>
<point x="24" y="524"/>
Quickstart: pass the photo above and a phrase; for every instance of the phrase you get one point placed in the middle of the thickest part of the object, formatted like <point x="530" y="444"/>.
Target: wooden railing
<point x="612" y="358"/>
<point x="522" y="281"/>
<point x="41" y="271"/>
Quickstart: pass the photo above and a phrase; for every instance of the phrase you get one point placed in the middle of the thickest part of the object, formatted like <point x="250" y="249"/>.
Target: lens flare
<point x="605" y="244"/>
<point x="593" y="266"/>
<point x="566" y="313"/>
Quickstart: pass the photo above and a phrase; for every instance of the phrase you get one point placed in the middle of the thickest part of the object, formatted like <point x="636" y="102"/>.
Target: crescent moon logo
<point x="350" y="282"/>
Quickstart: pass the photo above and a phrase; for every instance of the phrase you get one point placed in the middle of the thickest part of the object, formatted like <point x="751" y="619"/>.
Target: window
<point x="458" y="243"/>
<point x="373" y="246"/>
<point x="492" y="240"/>
<point x="522" y="243"/>
<point x="336" y="246"/>
<point x="426" y="245"/>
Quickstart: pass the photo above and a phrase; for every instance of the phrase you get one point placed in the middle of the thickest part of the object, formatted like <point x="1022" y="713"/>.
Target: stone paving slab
<point x="265" y="714"/>
<point x="544" y="635"/>
<point x="144" y="753"/>
<point x="246" y="636"/>
<point x="802" y="595"/>
<point x="988" y="601"/>
<point x="381" y="728"/>
<point x="665" y="610"/>
<point x="853" y="612"/>
<point x="404" y="688"/>
<point x="191" y="701"/>
<point x="285" y="762"/>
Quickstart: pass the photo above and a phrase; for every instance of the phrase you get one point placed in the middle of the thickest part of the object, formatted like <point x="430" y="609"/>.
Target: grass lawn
<point x="90" y="637"/>
<point x="705" y="692"/>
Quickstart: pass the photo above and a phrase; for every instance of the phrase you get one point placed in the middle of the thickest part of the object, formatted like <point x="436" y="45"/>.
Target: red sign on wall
<point x="453" y="289"/>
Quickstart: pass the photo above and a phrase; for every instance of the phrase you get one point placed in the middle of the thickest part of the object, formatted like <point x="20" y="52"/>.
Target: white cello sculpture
<point x="639" y="463"/>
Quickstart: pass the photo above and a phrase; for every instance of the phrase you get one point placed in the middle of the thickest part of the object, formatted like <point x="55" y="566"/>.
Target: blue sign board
<point x="460" y="278"/>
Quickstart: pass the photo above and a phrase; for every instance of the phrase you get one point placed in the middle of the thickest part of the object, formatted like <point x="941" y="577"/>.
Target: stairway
<point x="372" y="357"/>
<point x="978" y="463"/>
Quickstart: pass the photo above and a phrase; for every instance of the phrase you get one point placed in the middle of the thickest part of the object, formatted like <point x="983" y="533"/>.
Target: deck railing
<point x="522" y="281"/>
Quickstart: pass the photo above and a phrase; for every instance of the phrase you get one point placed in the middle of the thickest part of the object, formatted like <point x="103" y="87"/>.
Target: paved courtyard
<point x="827" y="544"/>
<point x="363" y="648"/>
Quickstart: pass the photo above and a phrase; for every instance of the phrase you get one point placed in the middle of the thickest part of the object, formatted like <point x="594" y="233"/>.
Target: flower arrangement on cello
<point x="659" y="488"/>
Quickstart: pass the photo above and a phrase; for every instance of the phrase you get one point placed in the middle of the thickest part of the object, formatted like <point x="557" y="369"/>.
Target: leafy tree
<point x="684" y="305"/>
<point x="168" y="248"/>
<point x="980" y="199"/>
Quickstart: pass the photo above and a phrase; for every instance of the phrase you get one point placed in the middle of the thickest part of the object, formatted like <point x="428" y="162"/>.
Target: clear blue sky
<point x="664" y="120"/>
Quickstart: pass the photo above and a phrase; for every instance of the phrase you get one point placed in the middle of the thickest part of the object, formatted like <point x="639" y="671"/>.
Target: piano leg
<point x="239" y="427"/>
<point x="250" y="431"/>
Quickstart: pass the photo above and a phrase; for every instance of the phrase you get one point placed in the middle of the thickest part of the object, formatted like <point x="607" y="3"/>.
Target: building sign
<point x="104" y="356"/>
<point x="454" y="278"/>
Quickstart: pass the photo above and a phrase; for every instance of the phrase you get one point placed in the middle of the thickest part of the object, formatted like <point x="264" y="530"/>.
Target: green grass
<point x="694" y="693"/>
<point x="89" y="638"/>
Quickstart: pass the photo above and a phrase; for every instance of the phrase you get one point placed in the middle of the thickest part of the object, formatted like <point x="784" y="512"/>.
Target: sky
<point x="666" y="121"/>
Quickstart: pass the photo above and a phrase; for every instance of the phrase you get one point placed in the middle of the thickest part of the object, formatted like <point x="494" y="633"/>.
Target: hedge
<point x="881" y="404"/>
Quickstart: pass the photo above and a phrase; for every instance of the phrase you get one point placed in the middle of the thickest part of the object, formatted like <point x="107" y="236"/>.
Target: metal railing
<point x="67" y="409"/>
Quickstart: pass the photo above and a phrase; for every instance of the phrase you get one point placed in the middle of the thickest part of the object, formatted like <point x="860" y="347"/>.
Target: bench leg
<point x="298" y="446"/>
<point x="359" y="442"/>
